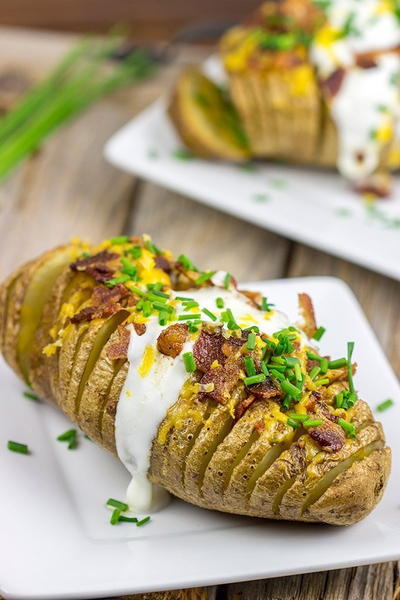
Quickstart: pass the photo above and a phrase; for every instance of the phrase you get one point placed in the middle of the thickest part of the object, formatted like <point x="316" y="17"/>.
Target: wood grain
<point x="68" y="189"/>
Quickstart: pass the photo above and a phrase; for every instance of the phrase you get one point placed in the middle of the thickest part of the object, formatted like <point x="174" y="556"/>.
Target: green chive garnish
<point x="184" y="299"/>
<point x="265" y="305"/>
<point x="294" y="424"/>
<point x="324" y="365"/>
<point x="312" y="356"/>
<point x="17" y="447"/>
<point x="143" y="522"/>
<point x="349" y="428"/>
<point x="337" y="364"/>
<point x="160" y="294"/>
<point x="298" y="417"/>
<point x="122" y="506"/>
<point x="146" y="308"/>
<point x="115" y="516"/>
<point x="115" y="280"/>
<point x="264" y="368"/>
<point x="152" y="247"/>
<point x="190" y="361"/>
<point x="137" y="291"/>
<point x="350" y="348"/>
<point x="385" y="405"/>
<point x="227" y="280"/>
<point x="135" y="251"/>
<point x="70" y="437"/>
<point x="189" y="317"/>
<point x="204" y="277"/>
<point x="231" y="319"/>
<point x="312" y="422"/>
<point x="251" y="341"/>
<point x="297" y="372"/>
<point x="322" y="381"/>
<point x="249" y="366"/>
<point x="314" y="372"/>
<point x="290" y="389"/>
<point x="254" y="379"/>
<point x="162" y="307"/>
<point x="319" y="333"/>
<point x="162" y="318"/>
<point x="31" y="396"/>
<point x="186" y="262"/>
<point x="209" y="314"/>
<point x="123" y="519"/>
<point x="119" y="239"/>
<point x="219" y="302"/>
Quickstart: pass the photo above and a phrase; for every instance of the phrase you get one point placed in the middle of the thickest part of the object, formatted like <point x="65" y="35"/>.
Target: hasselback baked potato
<point x="308" y="81"/>
<point x="202" y="390"/>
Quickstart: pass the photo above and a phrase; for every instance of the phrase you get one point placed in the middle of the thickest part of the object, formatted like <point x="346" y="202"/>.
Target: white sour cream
<point x="148" y="394"/>
<point x="366" y="109"/>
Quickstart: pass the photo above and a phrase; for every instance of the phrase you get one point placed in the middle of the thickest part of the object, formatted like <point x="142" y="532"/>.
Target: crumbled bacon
<point x="320" y="409"/>
<point x="265" y="389"/>
<point x="140" y="328"/>
<point x="333" y="83"/>
<point x="254" y="297"/>
<point x="172" y="339"/>
<point x="366" y="61"/>
<point x="243" y="406"/>
<point x="101" y="258"/>
<point x="207" y="349"/>
<point x="306" y="310"/>
<point x="329" y="436"/>
<point x="259" y="425"/>
<point x="224" y="377"/>
<point x="105" y="302"/>
<point x="163" y="263"/>
<point x="119" y="349"/>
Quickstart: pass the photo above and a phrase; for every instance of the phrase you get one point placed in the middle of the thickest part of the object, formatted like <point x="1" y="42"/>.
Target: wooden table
<point x="67" y="189"/>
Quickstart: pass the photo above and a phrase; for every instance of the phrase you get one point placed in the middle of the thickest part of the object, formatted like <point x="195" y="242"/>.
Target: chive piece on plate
<point x="189" y="361"/>
<point x="122" y="506"/>
<point x="385" y="405"/>
<point x="17" y="447"/>
<point x="319" y="333"/>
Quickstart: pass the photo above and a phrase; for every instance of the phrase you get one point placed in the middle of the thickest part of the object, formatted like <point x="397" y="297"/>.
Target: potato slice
<point x="205" y="119"/>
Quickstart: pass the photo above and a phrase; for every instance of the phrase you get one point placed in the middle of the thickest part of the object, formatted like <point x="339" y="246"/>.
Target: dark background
<point x="148" y="19"/>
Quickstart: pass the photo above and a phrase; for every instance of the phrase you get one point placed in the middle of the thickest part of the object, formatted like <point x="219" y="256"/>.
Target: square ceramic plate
<point x="56" y="539"/>
<point x="315" y="207"/>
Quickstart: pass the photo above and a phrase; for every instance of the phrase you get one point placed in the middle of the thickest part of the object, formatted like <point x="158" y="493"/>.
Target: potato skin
<point x="208" y="457"/>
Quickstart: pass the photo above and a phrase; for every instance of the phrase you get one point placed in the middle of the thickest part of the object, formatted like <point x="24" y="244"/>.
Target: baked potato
<point x="203" y="390"/>
<point x="312" y="83"/>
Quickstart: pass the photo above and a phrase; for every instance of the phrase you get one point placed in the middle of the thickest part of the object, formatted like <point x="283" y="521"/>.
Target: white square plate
<point x="56" y="539"/>
<point x="315" y="207"/>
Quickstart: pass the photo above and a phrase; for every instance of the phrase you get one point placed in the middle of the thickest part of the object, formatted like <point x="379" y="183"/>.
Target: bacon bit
<point x="374" y="186"/>
<point x="333" y="83"/>
<point x="140" y="328"/>
<point x="207" y="349"/>
<point x="119" y="349"/>
<point x="163" y="263"/>
<point x="224" y="378"/>
<point x="105" y="302"/>
<point x="265" y="389"/>
<point x="243" y="406"/>
<point x="329" y="436"/>
<point x="259" y="426"/>
<point x="365" y="61"/>
<point x="172" y="339"/>
<point x="306" y="310"/>
<point x="254" y="297"/>
<point x="100" y="273"/>
<point x="101" y="258"/>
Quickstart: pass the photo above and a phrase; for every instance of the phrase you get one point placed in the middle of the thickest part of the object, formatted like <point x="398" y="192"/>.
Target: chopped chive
<point x="290" y="389"/>
<point x="128" y="267"/>
<point x="279" y="360"/>
<point x="249" y="366"/>
<point x="312" y="422"/>
<point x="219" y="302"/>
<point x="280" y="368"/>
<point x="189" y="361"/>
<point x="17" y="447"/>
<point x="135" y="251"/>
<point x="160" y="294"/>
<point x="152" y="247"/>
<point x="154" y="287"/>
<point x="313" y="356"/>
<point x="339" y="400"/>
<point x="297" y="372"/>
<point x="231" y="319"/>
<point x="209" y="314"/>
<point x="31" y="396"/>
<point x="227" y="280"/>
<point x="162" y="307"/>
<point x="162" y="318"/>
<point x="115" y="516"/>
<point x="294" y="424"/>
<point x="143" y="522"/>
<point x="204" y="277"/>
<point x="122" y="506"/>
<point x="385" y="405"/>
<point x="85" y="254"/>
<point x="291" y="361"/>
<point x="189" y="317"/>
<point x="299" y="417"/>
<point x="253" y="328"/>
<point x="186" y="262"/>
<point x="70" y="437"/>
<point x="184" y="299"/>
<point x="350" y="348"/>
<point x="124" y="519"/>
<point x="349" y="428"/>
<point x="322" y="381"/>
<point x="254" y="379"/>
<point x="137" y="291"/>
<point x="324" y="365"/>
<point x="192" y="327"/>
<point x="115" y="280"/>
<point x="146" y="308"/>
<point x="264" y="368"/>
<point x="119" y="239"/>
<point x="276" y="373"/>
<point x="251" y="341"/>
<point x="337" y="364"/>
<point x="319" y="333"/>
<point x="265" y="305"/>
<point x="314" y="372"/>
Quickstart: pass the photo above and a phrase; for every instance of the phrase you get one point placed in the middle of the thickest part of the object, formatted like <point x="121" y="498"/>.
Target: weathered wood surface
<point x="67" y="189"/>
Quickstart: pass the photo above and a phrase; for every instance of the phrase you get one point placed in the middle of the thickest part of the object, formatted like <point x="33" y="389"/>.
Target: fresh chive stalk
<point x="17" y="447"/>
